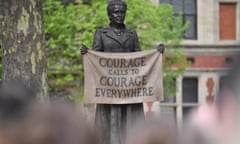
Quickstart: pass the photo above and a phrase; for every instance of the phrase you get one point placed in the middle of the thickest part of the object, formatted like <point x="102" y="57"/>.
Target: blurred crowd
<point x="24" y="120"/>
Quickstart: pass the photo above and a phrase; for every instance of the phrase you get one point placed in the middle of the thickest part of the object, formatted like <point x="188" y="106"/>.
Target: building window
<point x="227" y="17"/>
<point x="190" y="90"/>
<point x="176" y="108"/>
<point x="189" y="95"/>
<point x="222" y="82"/>
<point x="168" y="109"/>
<point x="188" y="8"/>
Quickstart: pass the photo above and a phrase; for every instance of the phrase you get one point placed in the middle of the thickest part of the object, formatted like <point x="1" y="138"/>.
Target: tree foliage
<point x="69" y="26"/>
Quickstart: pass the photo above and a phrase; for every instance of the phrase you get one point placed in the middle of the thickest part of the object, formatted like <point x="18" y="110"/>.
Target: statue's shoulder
<point x="129" y="30"/>
<point x="103" y="29"/>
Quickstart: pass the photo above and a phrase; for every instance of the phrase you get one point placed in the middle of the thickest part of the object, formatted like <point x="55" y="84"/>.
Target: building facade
<point x="211" y="44"/>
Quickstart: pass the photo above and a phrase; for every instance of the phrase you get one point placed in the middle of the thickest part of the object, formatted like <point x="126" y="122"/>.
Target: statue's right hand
<point x="84" y="49"/>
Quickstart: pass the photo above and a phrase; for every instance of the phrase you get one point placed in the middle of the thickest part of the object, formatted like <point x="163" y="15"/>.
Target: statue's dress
<point x="111" y="119"/>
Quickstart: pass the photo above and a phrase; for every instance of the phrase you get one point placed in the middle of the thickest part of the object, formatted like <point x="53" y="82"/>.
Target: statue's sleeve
<point x="136" y="42"/>
<point x="97" y="42"/>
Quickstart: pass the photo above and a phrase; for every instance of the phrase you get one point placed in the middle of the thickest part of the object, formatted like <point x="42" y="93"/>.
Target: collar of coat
<point x="125" y="29"/>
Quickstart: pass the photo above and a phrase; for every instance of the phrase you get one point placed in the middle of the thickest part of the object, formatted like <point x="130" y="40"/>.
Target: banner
<point x="123" y="78"/>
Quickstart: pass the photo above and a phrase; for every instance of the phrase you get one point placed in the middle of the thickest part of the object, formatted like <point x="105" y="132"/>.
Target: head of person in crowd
<point x="228" y="97"/>
<point x="15" y="97"/>
<point x="152" y="131"/>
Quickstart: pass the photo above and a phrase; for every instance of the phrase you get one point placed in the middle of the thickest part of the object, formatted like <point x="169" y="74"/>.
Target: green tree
<point x="69" y="26"/>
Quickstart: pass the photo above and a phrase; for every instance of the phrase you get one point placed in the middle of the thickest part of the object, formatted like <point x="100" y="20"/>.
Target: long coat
<point x="112" y="120"/>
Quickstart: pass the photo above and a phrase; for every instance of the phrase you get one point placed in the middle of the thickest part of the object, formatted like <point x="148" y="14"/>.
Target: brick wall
<point x="212" y="61"/>
<point x="208" y="61"/>
<point x="228" y="21"/>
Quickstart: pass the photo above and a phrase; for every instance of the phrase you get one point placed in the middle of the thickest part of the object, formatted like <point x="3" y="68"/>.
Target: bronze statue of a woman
<point x="116" y="37"/>
<point x="112" y="120"/>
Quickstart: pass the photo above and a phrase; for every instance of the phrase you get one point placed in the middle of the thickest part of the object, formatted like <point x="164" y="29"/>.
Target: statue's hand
<point x="161" y="48"/>
<point x="84" y="49"/>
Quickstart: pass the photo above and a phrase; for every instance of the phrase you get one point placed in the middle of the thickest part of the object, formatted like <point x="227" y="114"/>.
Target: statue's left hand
<point x="161" y="48"/>
<point x="84" y="49"/>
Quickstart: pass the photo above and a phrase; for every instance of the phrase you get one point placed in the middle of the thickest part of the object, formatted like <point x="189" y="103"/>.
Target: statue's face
<point x="117" y="15"/>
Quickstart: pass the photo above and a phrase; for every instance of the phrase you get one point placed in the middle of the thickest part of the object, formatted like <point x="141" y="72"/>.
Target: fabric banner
<point x="123" y="78"/>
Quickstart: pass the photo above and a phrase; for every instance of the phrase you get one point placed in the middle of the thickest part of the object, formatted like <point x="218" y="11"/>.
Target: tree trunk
<point x="22" y="36"/>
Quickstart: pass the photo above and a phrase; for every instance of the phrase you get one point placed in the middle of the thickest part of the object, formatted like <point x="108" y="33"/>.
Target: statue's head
<point x="116" y="11"/>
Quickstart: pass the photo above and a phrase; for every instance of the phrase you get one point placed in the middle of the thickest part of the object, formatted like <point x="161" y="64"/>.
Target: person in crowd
<point x="55" y="123"/>
<point x="217" y="123"/>
<point x="152" y="131"/>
